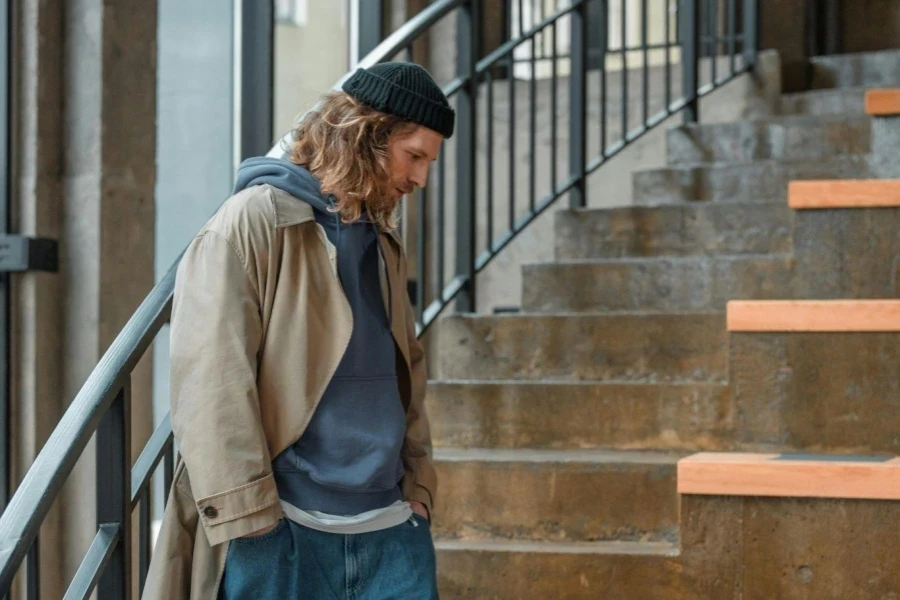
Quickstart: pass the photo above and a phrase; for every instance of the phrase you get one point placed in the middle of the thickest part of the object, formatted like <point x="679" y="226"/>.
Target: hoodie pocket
<point x="354" y="439"/>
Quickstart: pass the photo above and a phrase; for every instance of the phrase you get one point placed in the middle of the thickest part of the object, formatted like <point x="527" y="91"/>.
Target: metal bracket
<point x="20" y="253"/>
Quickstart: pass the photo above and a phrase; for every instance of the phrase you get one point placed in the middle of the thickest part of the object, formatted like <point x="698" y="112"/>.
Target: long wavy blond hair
<point x="344" y="143"/>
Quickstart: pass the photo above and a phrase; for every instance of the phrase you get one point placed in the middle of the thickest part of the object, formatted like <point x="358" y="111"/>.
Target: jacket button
<point x="210" y="512"/>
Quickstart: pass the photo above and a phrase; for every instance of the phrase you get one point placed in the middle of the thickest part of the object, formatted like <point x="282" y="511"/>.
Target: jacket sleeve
<point x="215" y="340"/>
<point x="420" y="480"/>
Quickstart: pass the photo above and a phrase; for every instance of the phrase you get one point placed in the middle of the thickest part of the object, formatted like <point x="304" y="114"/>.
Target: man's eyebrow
<point x="420" y="151"/>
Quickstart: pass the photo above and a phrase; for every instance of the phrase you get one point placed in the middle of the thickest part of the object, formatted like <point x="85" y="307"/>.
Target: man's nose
<point x="419" y="175"/>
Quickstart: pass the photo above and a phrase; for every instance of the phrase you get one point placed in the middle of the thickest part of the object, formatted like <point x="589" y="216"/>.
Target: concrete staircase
<point x="557" y="431"/>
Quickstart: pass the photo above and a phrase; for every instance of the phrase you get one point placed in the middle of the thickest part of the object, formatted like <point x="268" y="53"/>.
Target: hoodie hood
<point x="284" y="175"/>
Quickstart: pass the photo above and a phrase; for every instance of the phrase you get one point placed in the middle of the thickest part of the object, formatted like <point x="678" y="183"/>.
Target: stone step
<point x="624" y="347"/>
<point x="555" y="495"/>
<point x="502" y="570"/>
<point x="865" y="69"/>
<point x="663" y="284"/>
<point x="841" y="101"/>
<point x="674" y="230"/>
<point x="791" y="138"/>
<point x="759" y="181"/>
<point x="635" y="416"/>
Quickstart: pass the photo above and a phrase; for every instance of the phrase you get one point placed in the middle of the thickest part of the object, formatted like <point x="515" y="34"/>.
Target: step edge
<point x="749" y="257"/>
<point x="531" y="456"/>
<point x="608" y="548"/>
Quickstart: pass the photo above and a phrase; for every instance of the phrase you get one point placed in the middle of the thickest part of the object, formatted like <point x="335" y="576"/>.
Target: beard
<point x="383" y="202"/>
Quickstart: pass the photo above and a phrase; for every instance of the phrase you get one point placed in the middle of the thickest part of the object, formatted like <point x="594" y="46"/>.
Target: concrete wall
<point x="84" y="174"/>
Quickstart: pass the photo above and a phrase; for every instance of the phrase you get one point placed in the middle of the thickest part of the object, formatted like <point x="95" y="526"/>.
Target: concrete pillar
<point x="36" y="207"/>
<point x="86" y="105"/>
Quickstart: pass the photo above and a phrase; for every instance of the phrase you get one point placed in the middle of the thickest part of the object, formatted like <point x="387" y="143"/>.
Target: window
<point x="291" y="12"/>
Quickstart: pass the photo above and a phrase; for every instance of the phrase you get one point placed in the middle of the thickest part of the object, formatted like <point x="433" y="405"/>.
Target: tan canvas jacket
<point x="259" y="325"/>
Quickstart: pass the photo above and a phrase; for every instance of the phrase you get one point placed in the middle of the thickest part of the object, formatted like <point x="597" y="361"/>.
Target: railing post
<point x="467" y="35"/>
<point x="690" y="58"/>
<point x="751" y="32"/>
<point x="33" y="570"/>
<point x="114" y="493"/>
<point x="578" y="105"/>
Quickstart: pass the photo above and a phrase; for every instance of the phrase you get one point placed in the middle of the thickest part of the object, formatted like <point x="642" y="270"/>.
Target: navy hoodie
<point x="348" y="460"/>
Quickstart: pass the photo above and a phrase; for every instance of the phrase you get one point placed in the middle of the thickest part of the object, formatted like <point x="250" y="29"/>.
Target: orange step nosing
<point x="813" y="316"/>
<point x="883" y="102"/>
<point x="734" y="474"/>
<point x="865" y="193"/>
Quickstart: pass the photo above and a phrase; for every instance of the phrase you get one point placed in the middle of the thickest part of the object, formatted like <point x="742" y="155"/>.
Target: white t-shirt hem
<point x="367" y="522"/>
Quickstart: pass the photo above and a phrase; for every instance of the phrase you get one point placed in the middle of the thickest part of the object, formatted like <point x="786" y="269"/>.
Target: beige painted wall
<point x="310" y="55"/>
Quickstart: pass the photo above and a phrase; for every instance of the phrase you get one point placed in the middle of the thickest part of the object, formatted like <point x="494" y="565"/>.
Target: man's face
<point x="409" y="156"/>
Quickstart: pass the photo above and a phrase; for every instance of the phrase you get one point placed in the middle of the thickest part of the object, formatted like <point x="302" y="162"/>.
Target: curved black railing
<point x="695" y="30"/>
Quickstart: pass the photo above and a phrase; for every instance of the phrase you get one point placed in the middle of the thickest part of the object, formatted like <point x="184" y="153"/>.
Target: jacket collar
<point x="291" y="211"/>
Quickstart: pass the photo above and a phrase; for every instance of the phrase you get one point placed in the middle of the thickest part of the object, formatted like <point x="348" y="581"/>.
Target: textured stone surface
<point x="654" y="284"/>
<point x="711" y="548"/>
<point x="866" y="69"/>
<point x="674" y="230"/>
<point x="760" y="181"/>
<point x="885" y="141"/>
<point x="733" y="548"/>
<point x="817" y="391"/>
<point x="791" y="138"/>
<point x="552" y="495"/>
<point x="840" y="101"/>
<point x="788" y="548"/>
<point x="612" y="571"/>
<point x="810" y="548"/>
<point x="649" y="348"/>
<point x="579" y="415"/>
<point x="847" y="253"/>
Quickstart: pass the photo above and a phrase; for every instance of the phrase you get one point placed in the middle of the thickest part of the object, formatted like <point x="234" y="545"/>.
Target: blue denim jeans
<point x="293" y="562"/>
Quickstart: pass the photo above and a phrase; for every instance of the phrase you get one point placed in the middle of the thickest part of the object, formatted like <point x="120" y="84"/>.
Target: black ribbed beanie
<point x="405" y="90"/>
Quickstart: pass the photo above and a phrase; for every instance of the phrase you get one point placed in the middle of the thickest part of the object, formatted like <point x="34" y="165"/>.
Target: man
<point x="297" y="380"/>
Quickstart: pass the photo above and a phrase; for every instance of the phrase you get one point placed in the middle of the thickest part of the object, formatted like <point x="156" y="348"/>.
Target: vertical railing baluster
<point x="604" y="47"/>
<point x="114" y="493"/>
<point x="168" y="470"/>
<point x="668" y="59"/>
<point x="489" y="170"/>
<point x="441" y="241"/>
<point x="713" y="39"/>
<point x="33" y="571"/>
<point x="751" y="33"/>
<point x="511" y="184"/>
<point x="578" y="106"/>
<point x="732" y="33"/>
<point x="421" y="262"/>
<point x="466" y="153"/>
<point x="624" y="32"/>
<point x="645" y="75"/>
<point x="144" y="541"/>
<point x="532" y="125"/>
<point x="690" y="44"/>
<point x="553" y="110"/>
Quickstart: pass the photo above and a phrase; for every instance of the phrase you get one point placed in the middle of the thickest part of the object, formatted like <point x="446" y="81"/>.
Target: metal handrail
<point x="28" y="507"/>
